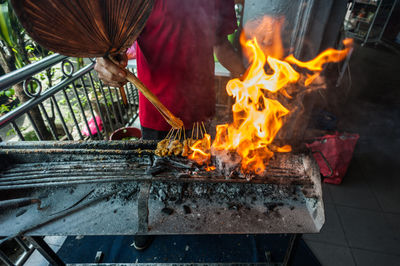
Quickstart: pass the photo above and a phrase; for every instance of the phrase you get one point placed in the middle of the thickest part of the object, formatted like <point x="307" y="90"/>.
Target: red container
<point x="126" y="132"/>
<point x="333" y="154"/>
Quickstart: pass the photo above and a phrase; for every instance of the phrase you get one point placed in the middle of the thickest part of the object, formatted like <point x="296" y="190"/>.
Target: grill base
<point x="124" y="200"/>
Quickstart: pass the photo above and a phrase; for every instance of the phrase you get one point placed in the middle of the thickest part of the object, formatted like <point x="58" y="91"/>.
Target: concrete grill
<point x="108" y="188"/>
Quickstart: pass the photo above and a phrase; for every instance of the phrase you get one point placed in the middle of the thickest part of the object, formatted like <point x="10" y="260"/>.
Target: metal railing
<point x="75" y="105"/>
<point x="67" y="104"/>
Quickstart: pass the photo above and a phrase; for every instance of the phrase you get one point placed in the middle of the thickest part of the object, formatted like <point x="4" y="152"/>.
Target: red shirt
<point x="175" y="58"/>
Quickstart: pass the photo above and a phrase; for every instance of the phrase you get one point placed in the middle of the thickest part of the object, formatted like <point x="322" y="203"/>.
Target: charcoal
<point x="187" y="209"/>
<point x="162" y="194"/>
<point x="182" y="175"/>
<point x="167" y="211"/>
<point x="234" y="206"/>
<point x="155" y="170"/>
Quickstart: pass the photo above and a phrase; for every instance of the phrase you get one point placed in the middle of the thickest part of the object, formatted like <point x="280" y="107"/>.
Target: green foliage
<point x="12" y="33"/>
<point x="30" y="136"/>
<point x="4" y="109"/>
<point x="9" y="93"/>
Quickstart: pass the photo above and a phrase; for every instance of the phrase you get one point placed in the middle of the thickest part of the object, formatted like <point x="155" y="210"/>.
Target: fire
<point x="256" y="118"/>
<point x="330" y="55"/>
<point x="201" y="150"/>
<point x="257" y="114"/>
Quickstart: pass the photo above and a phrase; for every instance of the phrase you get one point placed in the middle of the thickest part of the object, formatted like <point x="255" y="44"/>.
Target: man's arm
<point x="228" y="57"/>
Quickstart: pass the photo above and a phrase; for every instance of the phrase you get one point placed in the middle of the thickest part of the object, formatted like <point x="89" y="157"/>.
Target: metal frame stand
<point x="292" y="246"/>
<point x="45" y="250"/>
<point x="54" y="259"/>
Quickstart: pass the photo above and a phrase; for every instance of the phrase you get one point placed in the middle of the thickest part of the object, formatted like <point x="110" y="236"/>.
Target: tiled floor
<point x="363" y="213"/>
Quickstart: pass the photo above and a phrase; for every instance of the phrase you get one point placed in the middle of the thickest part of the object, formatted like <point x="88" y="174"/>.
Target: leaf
<point x="5" y="25"/>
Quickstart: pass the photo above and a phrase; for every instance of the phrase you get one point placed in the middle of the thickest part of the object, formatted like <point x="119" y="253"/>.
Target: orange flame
<point x="256" y="118"/>
<point x="201" y="150"/>
<point x="328" y="56"/>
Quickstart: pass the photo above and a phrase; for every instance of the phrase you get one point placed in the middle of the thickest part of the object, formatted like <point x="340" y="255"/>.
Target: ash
<point x="124" y="192"/>
<point x="222" y="192"/>
<point x="227" y="163"/>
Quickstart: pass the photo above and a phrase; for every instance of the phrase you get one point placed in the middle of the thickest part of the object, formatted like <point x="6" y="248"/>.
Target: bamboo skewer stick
<point x="123" y="95"/>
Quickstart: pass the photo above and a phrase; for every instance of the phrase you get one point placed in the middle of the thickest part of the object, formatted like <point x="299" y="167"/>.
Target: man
<point x="175" y="61"/>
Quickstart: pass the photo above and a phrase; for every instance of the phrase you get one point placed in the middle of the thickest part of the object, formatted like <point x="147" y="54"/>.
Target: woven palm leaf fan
<point x="90" y="28"/>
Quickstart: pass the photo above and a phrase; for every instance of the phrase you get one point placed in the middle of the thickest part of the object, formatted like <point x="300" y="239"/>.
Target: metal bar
<point x="32" y="167"/>
<point x="387" y="20"/>
<point x="22" y="243"/>
<point x="69" y="180"/>
<point x="81" y="169"/>
<point x="303" y="28"/>
<point x="293" y="38"/>
<point x="5" y="259"/>
<point x="70" y="174"/>
<point x="133" y="106"/>
<point x="120" y="105"/>
<point x="16" y="129"/>
<point x="141" y="177"/>
<point x="108" y="111"/>
<point x="25" y="107"/>
<point x="130" y="93"/>
<point x="82" y="110"/>
<point x="119" y="120"/>
<point x="292" y="245"/>
<point x="135" y="98"/>
<point x="51" y="125"/>
<point x="35" y="128"/>
<point x="372" y="23"/>
<point x="23" y="176"/>
<point x="98" y="103"/>
<point x="113" y="108"/>
<point x="68" y="145"/>
<point x="45" y="250"/>
<point x="57" y="184"/>
<point x="24" y="257"/>
<point x="61" y="118"/>
<point x="25" y="72"/>
<point x="344" y="68"/>
<point x="73" y="114"/>
<point x="143" y="208"/>
<point x="100" y="136"/>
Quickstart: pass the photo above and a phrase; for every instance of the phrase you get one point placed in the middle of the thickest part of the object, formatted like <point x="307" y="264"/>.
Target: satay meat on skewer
<point x="172" y="145"/>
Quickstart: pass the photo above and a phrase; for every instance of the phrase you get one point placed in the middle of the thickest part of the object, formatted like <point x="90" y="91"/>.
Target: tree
<point x="13" y="55"/>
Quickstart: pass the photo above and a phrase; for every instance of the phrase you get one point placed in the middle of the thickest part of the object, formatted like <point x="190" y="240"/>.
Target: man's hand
<point x="111" y="74"/>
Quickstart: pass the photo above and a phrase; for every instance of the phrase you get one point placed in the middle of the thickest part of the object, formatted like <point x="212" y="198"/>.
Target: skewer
<point x="192" y="130"/>
<point x="169" y="133"/>
<point x="201" y="131"/>
<point x="205" y="131"/>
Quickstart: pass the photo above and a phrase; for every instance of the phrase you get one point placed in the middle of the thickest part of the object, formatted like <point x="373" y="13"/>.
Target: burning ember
<point x="257" y="114"/>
